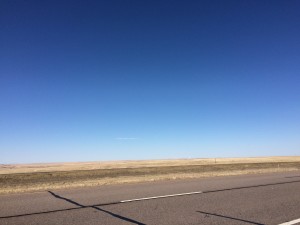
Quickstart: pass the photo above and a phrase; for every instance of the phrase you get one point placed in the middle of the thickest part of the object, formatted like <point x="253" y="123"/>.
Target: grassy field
<point x="36" y="177"/>
<point x="51" y="167"/>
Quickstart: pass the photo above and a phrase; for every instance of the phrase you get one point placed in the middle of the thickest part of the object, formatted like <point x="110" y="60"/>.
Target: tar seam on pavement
<point x="228" y="217"/>
<point x="79" y="206"/>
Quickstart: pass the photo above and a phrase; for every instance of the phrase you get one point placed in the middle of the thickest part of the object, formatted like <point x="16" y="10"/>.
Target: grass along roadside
<point x="71" y="166"/>
<point x="29" y="182"/>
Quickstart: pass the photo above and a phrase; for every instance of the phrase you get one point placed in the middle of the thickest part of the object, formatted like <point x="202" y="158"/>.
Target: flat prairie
<point x="70" y="166"/>
<point x="37" y="177"/>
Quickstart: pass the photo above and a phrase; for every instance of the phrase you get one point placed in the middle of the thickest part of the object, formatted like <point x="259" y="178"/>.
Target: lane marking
<point x="162" y="196"/>
<point x="156" y="197"/>
<point x="291" y="222"/>
<point x="193" y="193"/>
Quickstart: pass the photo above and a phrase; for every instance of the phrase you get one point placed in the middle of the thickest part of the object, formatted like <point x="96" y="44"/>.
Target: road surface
<point x="248" y="199"/>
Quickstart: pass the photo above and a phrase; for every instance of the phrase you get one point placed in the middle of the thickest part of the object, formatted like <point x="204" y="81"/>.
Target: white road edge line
<point x="291" y="222"/>
<point x="162" y="196"/>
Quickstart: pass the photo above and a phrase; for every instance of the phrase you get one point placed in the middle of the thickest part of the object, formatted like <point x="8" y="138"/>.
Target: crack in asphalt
<point x="96" y="206"/>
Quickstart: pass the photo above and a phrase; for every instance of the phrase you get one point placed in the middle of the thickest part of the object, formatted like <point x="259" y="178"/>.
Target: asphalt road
<point x="251" y="199"/>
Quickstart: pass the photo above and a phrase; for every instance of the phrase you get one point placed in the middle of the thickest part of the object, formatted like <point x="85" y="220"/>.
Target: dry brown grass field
<point x="51" y="167"/>
<point x="36" y="177"/>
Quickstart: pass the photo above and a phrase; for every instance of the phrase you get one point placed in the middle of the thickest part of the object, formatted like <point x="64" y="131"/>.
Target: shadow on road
<point x="97" y="208"/>
<point x="118" y="216"/>
<point x="78" y="206"/>
<point x="228" y="217"/>
<point x="66" y="199"/>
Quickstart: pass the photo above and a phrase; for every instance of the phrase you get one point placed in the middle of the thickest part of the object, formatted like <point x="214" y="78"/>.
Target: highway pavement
<point x="247" y="199"/>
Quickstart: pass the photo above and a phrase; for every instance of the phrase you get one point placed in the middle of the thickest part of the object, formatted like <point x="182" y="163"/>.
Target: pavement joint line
<point x="192" y="193"/>
<point x="291" y="222"/>
<point x="161" y="196"/>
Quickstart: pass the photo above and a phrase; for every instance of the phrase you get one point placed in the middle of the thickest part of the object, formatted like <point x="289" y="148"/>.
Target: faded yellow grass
<point x="51" y="167"/>
<point x="37" y="177"/>
<point x="136" y="179"/>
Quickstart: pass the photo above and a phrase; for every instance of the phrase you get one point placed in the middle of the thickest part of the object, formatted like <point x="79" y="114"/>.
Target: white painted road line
<point x="291" y="222"/>
<point x="162" y="196"/>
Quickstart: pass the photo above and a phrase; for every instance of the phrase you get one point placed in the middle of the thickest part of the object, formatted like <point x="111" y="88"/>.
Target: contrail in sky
<point x="126" y="138"/>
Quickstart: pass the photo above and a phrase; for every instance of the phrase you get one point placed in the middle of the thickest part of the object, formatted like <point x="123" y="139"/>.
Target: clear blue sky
<point x="110" y="80"/>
